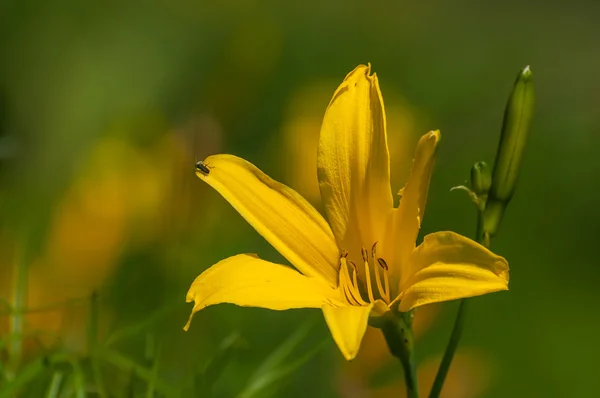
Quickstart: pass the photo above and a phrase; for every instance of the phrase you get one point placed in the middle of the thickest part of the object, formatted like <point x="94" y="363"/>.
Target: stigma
<point x="368" y="283"/>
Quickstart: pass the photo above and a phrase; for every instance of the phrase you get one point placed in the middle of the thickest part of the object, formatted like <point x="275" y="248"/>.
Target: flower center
<point x="355" y="286"/>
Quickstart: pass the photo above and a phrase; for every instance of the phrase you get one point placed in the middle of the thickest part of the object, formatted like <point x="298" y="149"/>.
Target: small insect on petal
<point x="203" y="168"/>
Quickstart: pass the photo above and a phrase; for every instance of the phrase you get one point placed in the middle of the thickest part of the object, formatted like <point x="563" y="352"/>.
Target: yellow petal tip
<point x="358" y="72"/>
<point x="435" y="135"/>
<point x="189" y="322"/>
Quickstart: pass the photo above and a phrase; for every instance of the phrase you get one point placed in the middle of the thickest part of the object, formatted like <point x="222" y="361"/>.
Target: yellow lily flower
<point x="340" y="266"/>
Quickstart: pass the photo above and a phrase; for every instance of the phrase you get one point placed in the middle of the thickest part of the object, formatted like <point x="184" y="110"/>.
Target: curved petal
<point x="248" y="281"/>
<point x="353" y="161"/>
<point x="283" y="217"/>
<point x="404" y="222"/>
<point x="347" y="325"/>
<point x="448" y="266"/>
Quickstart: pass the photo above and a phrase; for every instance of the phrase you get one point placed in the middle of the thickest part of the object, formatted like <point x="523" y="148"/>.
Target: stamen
<point x="356" y="293"/>
<point x="376" y="270"/>
<point x="355" y="277"/>
<point x="363" y="251"/>
<point x="349" y="295"/>
<point x="355" y="280"/>
<point x="351" y="286"/>
<point x="378" y="280"/>
<point x="345" y="281"/>
<point x="353" y="265"/>
<point x="367" y="275"/>
<point x="374" y="251"/>
<point x="386" y="280"/>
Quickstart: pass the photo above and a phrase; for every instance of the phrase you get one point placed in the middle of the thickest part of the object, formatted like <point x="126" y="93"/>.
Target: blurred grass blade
<point x="68" y="390"/>
<point x="216" y="365"/>
<point x="280" y="363"/>
<point x="22" y="378"/>
<point x="134" y="330"/>
<point x="2" y="344"/>
<point x="78" y="379"/>
<point x="98" y="378"/>
<point x="92" y="322"/>
<point x="262" y="383"/>
<point x="54" y="386"/>
<point x="7" y="307"/>
<point x="154" y="370"/>
<point x="127" y="365"/>
<point x="20" y="287"/>
<point x="92" y="341"/>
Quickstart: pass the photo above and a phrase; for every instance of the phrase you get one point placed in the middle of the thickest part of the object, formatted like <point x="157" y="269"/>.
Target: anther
<point x="353" y="265"/>
<point x="382" y="263"/>
<point x="344" y="253"/>
<point x="365" y="257"/>
<point x="384" y="290"/>
<point x="374" y="250"/>
<point x="350" y="283"/>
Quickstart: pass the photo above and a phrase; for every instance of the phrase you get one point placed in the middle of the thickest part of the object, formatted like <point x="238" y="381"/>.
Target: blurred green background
<point x="105" y="107"/>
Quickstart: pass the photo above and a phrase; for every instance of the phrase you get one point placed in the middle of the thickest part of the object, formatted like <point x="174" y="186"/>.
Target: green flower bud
<point x="481" y="178"/>
<point x="515" y="128"/>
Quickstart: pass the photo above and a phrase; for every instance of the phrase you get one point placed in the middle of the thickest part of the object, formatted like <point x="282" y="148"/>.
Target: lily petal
<point x="347" y="325"/>
<point x="353" y="161"/>
<point x="248" y="281"/>
<point x="405" y="221"/>
<point x="449" y="266"/>
<point x="283" y="217"/>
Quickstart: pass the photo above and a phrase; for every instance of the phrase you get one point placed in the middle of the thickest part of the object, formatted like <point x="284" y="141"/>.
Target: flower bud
<point x="515" y="128"/>
<point x="481" y="178"/>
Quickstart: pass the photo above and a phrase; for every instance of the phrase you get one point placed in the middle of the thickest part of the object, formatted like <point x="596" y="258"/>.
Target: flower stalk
<point x="492" y="196"/>
<point x="398" y="333"/>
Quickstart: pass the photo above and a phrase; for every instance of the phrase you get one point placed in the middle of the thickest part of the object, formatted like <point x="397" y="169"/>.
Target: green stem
<point x="440" y="377"/>
<point x="399" y="337"/>
<point x="484" y="239"/>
